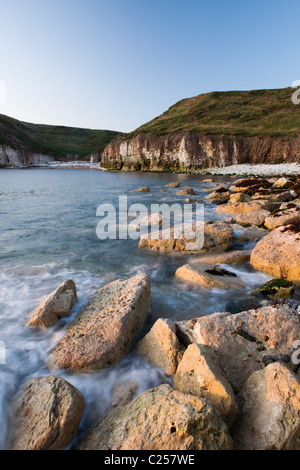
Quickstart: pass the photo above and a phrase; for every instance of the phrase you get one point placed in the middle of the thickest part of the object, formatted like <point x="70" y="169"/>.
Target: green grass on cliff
<point x="257" y="112"/>
<point x="57" y="141"/>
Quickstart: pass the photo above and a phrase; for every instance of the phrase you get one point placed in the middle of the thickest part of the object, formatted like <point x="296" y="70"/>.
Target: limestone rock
<point x="282" y="218"/>
<point x="106" y="328"/>
<point x="209" y="276"/>
<point x="217" y="237"/>
<point x="230" y="257"/>
<point x="239" y="197"/>
<point x="57" y="305"/>
<point x="253" y="218"/>
<point x="48" y="414"/>
<point x="252" y="233"/>
<point x="270" y="413"/>
<point x="199" y="373"/>
<point x="160" y="419"/>
<point x="187" y="192"/>
<point x="144" y="190"/>
<point x="123" y="393"/>
<point x="161" y="346"/>
<point x="244" y="207"/>
<point x="241" y="341"/>
<point x="278" y="253"/>
<point x="173" y="185"/>
<point x="282" y="183"/>
<point x="277" y="288"/>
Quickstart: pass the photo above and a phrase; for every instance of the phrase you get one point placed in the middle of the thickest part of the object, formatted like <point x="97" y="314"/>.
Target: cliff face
<point x="190" y="151"/>
<point x="11" y="158"/>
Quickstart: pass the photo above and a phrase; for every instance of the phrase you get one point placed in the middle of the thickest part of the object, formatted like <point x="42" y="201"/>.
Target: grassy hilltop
<point x="58" y="141"/>
<point x="257" y="112"/>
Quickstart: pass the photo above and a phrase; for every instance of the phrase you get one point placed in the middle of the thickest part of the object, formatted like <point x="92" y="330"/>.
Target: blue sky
<point x="116" y="64"/>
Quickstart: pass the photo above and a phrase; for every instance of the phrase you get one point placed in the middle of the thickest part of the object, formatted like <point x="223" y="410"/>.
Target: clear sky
<point x="116" y="64"/>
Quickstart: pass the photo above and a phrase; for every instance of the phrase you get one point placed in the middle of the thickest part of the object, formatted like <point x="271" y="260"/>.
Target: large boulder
<point x="106" y="328"/>
<point x="161" y="345"/>
<point x="269" y="417"/>
<point x="57" y="305"/>
<point x="199" y="373"/>
<point x="210" y="276"/>
<point x="282" y="218"/>
<point x="48" y="413"/>
<point x="244" y="207"/>
<point x="235" y="198"/>
<point x="244" y="341"/>
<point x="217" y="237"/>
<point x="252" y="233"/>
<point x="278" y="253"/>
<point x="160" y="419"/>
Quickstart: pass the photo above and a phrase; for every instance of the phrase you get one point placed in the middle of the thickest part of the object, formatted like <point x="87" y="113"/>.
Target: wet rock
<point x="277" y="288"/>
<point x="123" y="393"/>
<point x="106" y="328"/>
<point x="231" y="258"/>
<point x="252" y="234"/>
<point x="187" y="192"/>
<point x="144" y="190"/>
<point x="241" y="341"/>
<point x="173" y="185"/>
<point x="57" y="305"/>
<point x="269" y="418"/>
<point x="284" y="217"/>
<point x="253" y="218"/>
<point x="217" y="237"/>
<point x="278" y="253"/>
<point x="199" y="373"/>
<point x="161" y="346"/>
<point x="209" y="276"/>
<point x="48" y="414"/>
<point x="160" y="419"/>
<point x="219" y="196"/>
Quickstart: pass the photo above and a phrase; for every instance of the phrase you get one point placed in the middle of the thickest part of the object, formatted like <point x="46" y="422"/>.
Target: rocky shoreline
<point x="233" y="380"/>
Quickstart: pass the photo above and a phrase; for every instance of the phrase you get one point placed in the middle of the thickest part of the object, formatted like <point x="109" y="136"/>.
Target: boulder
<point x="269" y="418"/>
<point x="217" y="237"/>
<point x="48" y="413"/>
<point x="241" y="341"/>
<point x="282" y="183"/>
<point x="160" y="419"/>
<point x="173" y="185"/>
<point x="187" y="192"/>
<point x="244" y="207"/>
<point x="210" y="276"/>
<point x="277" y="288"/>
<point x="230" y="257"/>
<point x="239" y="197"/>
<point x="199" y="373"/>
<point x="253" y="218"/>
<point x="281" y="218"/>
<point x="57" y="305"/>
<point x="278" y="253"/>
<point x="106" y="328"/>
<point x="252" y="234"/>
<point x="219" y="196"/>
<point x="123" y="392"/>
<point x="161" y="345"/>
<point x="144" y="190"/>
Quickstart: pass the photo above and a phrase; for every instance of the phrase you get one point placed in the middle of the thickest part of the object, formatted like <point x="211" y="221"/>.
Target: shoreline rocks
<point x="106" y="328"/>
<point x="209" y="275"/>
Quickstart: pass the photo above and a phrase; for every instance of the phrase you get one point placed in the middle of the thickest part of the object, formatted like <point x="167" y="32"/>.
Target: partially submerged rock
<point x="277" y="288"/>
<point x="241" y="341"/>
<point x="161" y="345"/>
<point x="209" y="275"/>
<point x="187" y="192"/>
<point x="269" y="418"/>
<point x="48" y="414"/>
<point x="160" y="419"/>
<point x="57" y="305"/>
<point x="144" y="190"/>
<point x="278" y="253"/>
<point x="106" y="328"/>
<point x="123" y="392"/>
<point x="252" y="234"/>
<point x="217" y="237"/>
<point x="199" y="373"/>
<point x="173" y="185"/>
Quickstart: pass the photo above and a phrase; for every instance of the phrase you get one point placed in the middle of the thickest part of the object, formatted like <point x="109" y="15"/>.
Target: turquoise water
<point x="48" y="234"/>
